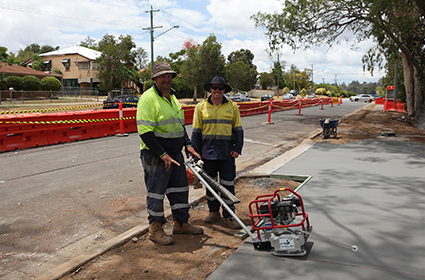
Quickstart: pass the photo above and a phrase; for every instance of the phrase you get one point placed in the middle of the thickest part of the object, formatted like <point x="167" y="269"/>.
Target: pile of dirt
<point x="196" y="257"/>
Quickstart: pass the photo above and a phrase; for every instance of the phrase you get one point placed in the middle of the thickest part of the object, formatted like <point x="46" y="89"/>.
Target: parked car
<point x="362" y="97"/>
<point x="266" y="97"/>
<point x="240" y="98"/>
<point x="294" y="92"/>
<point x="288" y="96"/>
<point x="227" y="96"/>
<point x="128" y="101"/>
<point x="311" y="95"/>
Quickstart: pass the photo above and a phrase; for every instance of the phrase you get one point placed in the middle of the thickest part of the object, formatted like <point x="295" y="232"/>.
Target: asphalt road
<point x="59" y="201"/>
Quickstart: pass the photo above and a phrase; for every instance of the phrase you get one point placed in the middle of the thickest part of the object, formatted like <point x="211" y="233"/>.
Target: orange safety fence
<point x="26" y="130"/>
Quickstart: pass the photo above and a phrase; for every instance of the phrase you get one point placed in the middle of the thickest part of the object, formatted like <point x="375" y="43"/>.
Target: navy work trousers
<point x="226" y="171"/>
<point x="160" y="183"/>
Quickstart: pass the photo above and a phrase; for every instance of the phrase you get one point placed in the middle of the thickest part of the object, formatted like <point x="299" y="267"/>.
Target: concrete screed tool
<point x="282" y="225"/>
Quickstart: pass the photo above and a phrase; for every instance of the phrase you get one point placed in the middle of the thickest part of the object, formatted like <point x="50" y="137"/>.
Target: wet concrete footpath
<point x="368" y="193"/>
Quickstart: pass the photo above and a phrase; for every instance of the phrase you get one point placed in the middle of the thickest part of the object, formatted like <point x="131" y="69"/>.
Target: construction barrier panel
<point x="19" y="131"/>
<point x="22" y="131"/>
<point x="391" y="106"/>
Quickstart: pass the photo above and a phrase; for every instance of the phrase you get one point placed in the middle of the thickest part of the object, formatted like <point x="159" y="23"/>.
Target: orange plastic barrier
<point x="40" y="129"/>
<point x="391" y="106"/>
<point x="27" y="131"/>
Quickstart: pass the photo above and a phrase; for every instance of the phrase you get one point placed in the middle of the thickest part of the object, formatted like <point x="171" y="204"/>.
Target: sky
<point x="67" y="23"/>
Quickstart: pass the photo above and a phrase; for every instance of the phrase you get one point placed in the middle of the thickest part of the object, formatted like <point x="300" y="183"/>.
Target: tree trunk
<point x="418" y="96"/>
<point x="409" y="85"/>
<point x="195" y="95"/>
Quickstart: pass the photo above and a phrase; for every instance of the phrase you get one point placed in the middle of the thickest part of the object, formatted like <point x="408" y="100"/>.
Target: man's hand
<point x="191" y="151"/>
<point x="168" y="161"/>
<point x="234" y="154"/>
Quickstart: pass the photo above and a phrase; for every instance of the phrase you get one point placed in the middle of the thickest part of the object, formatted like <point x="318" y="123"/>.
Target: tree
<point x="266" y="80"/>
<point x="211" y="60"/>
<point x="3" y="54"/>
<point x="115" y="58"/>
<point x="240" y="71"/>
<point x="141" y="58"/>
<point x="190" y="67"/>
<point x="396" y="26"/>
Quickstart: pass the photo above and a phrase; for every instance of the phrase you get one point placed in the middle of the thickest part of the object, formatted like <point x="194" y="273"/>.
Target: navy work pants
<point x="226" y="171"/>
<point x="160" y="183"/>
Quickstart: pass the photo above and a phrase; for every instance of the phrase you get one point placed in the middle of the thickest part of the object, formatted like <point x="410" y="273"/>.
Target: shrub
<point x="16" y="82"/>
<point x="50" y="83"/>
<point x="31" y="83"/>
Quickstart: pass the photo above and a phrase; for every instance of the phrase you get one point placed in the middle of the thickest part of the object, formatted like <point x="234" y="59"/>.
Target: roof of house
<point x="86" y="52"/>
<point x="17" y="70"/>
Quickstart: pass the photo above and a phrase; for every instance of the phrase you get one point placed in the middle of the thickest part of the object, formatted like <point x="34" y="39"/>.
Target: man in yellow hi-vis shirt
<point x="217" y="136"/>
<point x="160" y="123"/>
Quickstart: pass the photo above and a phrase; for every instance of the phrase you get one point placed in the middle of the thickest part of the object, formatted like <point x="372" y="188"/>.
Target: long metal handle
<point x="191" y="165"/>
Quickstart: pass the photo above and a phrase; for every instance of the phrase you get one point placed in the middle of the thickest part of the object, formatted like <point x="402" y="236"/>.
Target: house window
<point x="47" y="65"/>
<point x="83" y="64"/>
<point x="94" y="65"/>
<point x="66" y="62"/>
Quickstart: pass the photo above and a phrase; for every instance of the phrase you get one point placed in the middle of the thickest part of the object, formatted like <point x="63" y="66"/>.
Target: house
<point x="21" y="71"/>
<point x="77" y="64"/>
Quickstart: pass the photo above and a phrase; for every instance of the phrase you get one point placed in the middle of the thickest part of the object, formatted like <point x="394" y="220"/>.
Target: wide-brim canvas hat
<point x="163" y="68"/>
<point x="218" y="81"/>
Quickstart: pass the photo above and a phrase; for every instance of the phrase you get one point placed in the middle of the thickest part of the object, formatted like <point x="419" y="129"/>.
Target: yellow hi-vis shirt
<point x="217" y="130"/>
<point x="164" y="118"/>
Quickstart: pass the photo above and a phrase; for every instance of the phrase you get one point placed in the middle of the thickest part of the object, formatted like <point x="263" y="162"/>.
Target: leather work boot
<point x="186" y="228"/>
<point x="157" y="234"/>
<point x="231" y="223"/>
<point x="212" y="217"/>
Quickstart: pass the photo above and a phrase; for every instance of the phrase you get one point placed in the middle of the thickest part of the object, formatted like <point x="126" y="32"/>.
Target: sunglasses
<point x="219" y="88"/>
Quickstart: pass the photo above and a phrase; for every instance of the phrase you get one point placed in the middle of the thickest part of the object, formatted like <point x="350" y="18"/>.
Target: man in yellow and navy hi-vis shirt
<point x="217" y="136"/>
<point x="160" y="123"/>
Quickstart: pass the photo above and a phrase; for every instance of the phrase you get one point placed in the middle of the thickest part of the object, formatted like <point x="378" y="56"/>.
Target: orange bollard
<point x="270" y="110"/>
<point x="121" y="121"/>
<point x="332" y="102"/>
<point x="299" y="108"/>
<point x="322" y="105"/>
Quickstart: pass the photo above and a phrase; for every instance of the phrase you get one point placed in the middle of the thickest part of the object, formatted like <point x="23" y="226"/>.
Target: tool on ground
<point x="214" y="187"/>
<point x="329" y="127"/>
<point x="282" y="224"/>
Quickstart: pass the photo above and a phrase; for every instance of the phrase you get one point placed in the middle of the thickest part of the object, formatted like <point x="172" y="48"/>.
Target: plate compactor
<point x="280" y="221"/>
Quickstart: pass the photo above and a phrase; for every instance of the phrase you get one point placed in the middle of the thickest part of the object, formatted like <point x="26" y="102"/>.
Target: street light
<point x="175" y="26"/>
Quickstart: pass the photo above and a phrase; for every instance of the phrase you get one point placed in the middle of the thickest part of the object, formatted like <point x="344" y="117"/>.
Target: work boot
<point x="212" y="217"/>
<point x="186" y="228"/>
<point x="157" y="234"/>
<point x="231" y="223"/>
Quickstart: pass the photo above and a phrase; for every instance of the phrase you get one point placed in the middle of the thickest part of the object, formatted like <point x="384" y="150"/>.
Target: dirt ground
<point x="196" y="257"/>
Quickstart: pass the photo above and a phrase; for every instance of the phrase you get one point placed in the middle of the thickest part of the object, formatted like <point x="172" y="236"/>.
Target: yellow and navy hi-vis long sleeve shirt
<point x="217" y="130"/>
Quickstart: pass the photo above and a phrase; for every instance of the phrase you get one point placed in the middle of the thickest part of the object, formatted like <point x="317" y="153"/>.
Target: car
<point x="362" y="97"/>
<point x="294" y="92"/>
<point x="128" y="101"/>
<point x="227" y="96"/>
<point x="240" y="98"/>
<point x="266" y="97"/>
<point x="288" y="96"/>
<point x="311" y="95"/>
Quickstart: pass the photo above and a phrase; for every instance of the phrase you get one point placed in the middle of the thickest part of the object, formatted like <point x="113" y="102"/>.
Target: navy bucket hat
<point x="218" y="81"/>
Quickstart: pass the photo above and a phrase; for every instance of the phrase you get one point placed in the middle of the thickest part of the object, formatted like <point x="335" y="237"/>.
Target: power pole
<point x="278" y="68"/>
<point x="312" y="81"/>
<point x="151" y="30"/>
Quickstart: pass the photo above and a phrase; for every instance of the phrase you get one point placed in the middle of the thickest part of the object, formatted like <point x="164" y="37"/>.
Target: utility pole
<point x="312" y="77"/>
<point x="151" y="30"/>
<point x="278" y="68"/>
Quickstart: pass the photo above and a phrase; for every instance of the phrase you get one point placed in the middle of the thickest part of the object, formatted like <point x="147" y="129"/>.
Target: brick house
<point x="77" y="64"/>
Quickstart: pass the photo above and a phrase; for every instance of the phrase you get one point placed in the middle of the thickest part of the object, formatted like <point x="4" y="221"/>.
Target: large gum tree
<point x="397" y="27"/>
